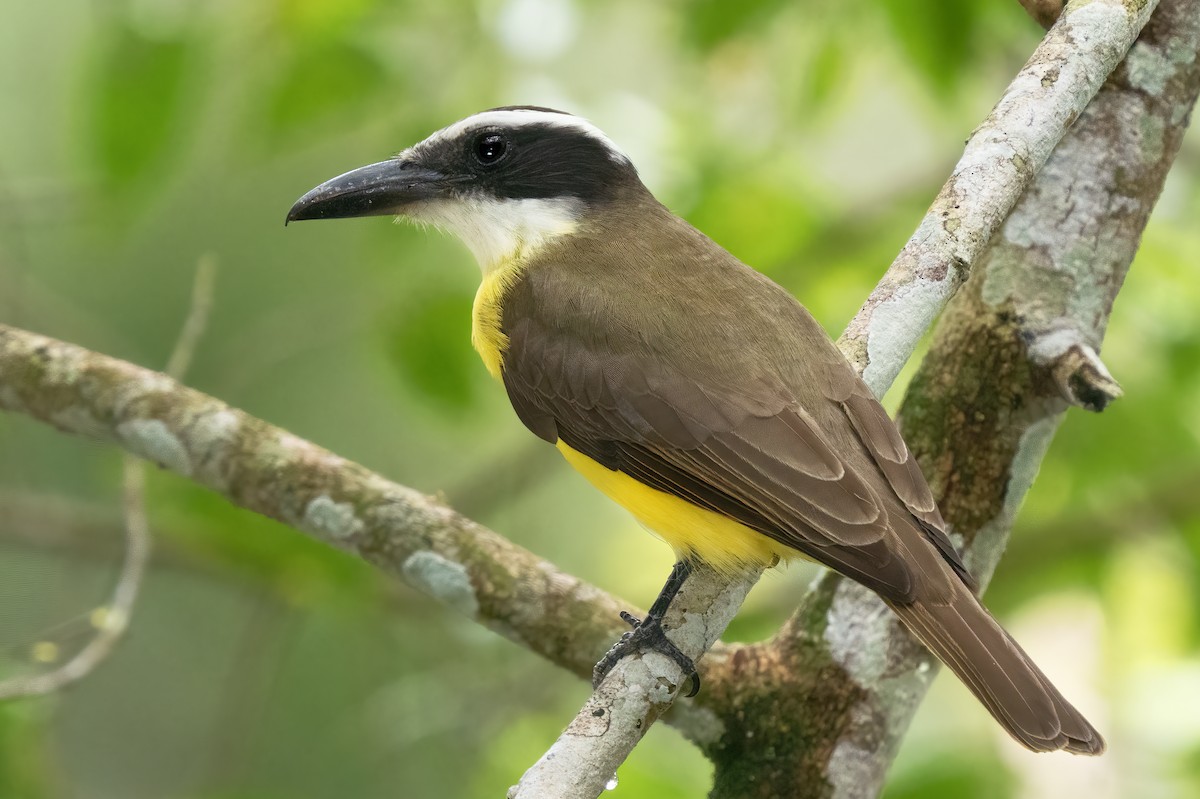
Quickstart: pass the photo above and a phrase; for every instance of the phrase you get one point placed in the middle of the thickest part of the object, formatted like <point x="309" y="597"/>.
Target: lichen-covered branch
<point x="842" y="680"/>
<point x="635" y="693"/>
<point x="270" y="471"/>
<point x="999" y="162"/>
<point x="845" y="666"/>
<point x="112" y="620"/>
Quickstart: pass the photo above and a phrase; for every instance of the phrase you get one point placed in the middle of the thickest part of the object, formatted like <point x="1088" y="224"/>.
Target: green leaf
<point x="136" y="101"/>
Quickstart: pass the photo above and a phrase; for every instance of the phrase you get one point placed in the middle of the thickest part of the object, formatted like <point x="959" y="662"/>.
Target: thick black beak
<point x="376" y="190"/>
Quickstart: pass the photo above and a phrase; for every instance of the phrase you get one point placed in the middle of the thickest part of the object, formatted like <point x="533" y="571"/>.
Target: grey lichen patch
<point x="858" y="633"/>
<point x="1046" y="348"/>
<point x="852" y="770"/>
<point x="1136" y="6"/>
<point x="1042" y="282"/>
<point x="64" y="369"/>
<point x="999" y="280"/>
<point x="701" y="725"/>
<point x="154" y="441"/>
<point x="1148" y="69"/>
<point x="337" y="520"/>
<point x="899" y="321"/>
<point x="211" y="437"/>
<point x="857" y="764"/>
<point x="1153" y="131"/>
<point x="80" y="420"/>
<point x="720" y="597"/>
<point x="1020" y="162"/>
<point x="442" y="579"/>
<point x="215" y="428"/>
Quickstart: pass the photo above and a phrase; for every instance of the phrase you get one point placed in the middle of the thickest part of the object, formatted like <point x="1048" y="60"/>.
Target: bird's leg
<point x="647" y="634"/>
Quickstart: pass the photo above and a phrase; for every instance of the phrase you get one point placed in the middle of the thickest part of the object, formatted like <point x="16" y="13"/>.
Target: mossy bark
<point x="1014" y="349"/>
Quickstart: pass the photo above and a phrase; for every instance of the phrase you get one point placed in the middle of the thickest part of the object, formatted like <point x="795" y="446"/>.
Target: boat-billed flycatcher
<point x="690" y="388"/>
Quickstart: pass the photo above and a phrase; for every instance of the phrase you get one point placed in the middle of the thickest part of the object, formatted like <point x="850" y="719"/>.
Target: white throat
<point x="499" y="231"/>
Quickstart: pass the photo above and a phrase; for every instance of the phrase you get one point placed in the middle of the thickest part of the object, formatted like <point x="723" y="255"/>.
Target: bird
<point x="691" y="389"/>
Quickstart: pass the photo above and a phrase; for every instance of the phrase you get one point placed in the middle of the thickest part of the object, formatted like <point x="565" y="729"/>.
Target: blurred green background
<point x="139" y="136"/>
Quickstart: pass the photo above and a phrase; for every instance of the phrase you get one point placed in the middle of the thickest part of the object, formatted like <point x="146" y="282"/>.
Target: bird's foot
<point x="646" y="636"/>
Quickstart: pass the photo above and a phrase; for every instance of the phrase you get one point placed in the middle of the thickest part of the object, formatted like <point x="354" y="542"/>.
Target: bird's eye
<point x="490" y="148"/>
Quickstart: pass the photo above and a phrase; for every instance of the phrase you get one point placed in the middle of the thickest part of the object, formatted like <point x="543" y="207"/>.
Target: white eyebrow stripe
<point x="523" y="117"/>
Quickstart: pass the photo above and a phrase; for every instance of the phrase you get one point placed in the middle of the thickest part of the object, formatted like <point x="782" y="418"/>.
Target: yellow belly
<point x="724" y="544"/>
<point x="691" y="530"/>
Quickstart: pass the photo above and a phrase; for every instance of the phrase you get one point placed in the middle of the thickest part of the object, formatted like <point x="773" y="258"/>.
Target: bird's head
<point x="504" y="181"/>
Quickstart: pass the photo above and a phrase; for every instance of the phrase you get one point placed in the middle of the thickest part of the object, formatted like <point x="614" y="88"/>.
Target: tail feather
<point x="993" y="666"/>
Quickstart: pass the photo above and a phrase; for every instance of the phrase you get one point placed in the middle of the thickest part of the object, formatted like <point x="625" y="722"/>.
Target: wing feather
<point x="775" y="474"/>
<point x="746" y="440"/>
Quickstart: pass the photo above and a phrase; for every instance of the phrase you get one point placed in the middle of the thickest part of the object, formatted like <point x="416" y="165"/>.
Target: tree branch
<point x="268" y="470"/>
<point x="112" y="620"/>
<point x="1000" y="160"/>
<point x="979" y="415"/>
<point x="634" y="694"/>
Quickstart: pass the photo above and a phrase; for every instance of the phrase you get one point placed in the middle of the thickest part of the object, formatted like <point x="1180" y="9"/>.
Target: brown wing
<point x="749" y="451"/>
<point x="882" y="440"/>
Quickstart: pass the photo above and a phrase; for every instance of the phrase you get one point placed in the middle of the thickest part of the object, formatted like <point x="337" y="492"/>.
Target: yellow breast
<point x="486" y="333"/>
<point x="690" y="530"/>
<point x="718" y="540"/>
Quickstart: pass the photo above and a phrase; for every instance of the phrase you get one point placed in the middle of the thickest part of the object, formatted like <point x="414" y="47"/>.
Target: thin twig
<point x="197" y="318"/>
<point x="112" y="620"/>
<point x="270" y="471"/>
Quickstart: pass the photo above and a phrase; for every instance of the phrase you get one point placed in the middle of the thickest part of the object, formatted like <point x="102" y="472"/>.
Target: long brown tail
<point x="966" y="638"/>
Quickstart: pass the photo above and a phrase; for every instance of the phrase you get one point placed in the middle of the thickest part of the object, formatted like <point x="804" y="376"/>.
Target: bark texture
<point x="268" y="470"/>
<point x="820" y="709"/>
<point x="1015" y="348"/>
<point x="1000" y="160"/>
